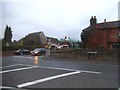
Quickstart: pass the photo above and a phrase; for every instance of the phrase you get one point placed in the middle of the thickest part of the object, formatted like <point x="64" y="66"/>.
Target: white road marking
<point x="50" y="67"/>
<point x="19" y="69"/>
<point x="46" y="79"/>
<point x="84" y="71"/>
<point x="6" y="87"/>
<point x="10" y="66"/>
<point x="18" y="56"/>
<point x="29" y="57"/>
<point x="63" y="69"/>
<point x="10" y="88"/>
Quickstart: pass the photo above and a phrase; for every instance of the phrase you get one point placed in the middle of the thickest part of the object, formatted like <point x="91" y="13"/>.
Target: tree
<point x="7" y="35"/>
<point x="84" y="37"/>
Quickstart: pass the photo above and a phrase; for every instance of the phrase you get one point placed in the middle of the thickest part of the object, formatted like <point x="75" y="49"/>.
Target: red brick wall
<point x="103" y="38"/>
<point x="114" y="35"/>
<point x="95" y="40"/>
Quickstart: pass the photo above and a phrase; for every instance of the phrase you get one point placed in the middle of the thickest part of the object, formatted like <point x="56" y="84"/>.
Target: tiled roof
<point x="53" y="40"/>
<point x="114" y="24"/>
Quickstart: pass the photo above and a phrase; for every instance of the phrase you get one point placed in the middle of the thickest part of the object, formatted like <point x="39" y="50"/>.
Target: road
<point x="36" y="72"/>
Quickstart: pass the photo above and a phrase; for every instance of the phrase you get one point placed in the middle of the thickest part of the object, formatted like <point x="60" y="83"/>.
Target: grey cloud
<point x="55" y="18"/>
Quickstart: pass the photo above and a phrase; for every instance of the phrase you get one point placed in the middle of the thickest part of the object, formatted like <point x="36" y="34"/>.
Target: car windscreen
<point x="36" y="49"/>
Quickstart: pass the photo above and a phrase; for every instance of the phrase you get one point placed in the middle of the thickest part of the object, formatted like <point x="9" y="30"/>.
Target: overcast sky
<point x="56" y="18"/>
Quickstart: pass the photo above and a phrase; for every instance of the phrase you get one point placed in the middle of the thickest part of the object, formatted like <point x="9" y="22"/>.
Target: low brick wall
<point x="7" y="53"/>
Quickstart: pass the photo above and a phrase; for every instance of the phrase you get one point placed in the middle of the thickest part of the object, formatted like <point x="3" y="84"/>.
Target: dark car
<point x="38" y="51"/>
<point x="22" y="52"/>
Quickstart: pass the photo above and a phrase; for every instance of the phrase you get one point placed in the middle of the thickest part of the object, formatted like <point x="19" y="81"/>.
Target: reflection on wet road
<point x="36" y="60"/>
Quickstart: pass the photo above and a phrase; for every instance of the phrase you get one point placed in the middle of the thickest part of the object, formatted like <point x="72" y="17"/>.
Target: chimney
<point x="104" y="20"/>
<point x="93" y="21"/>
<point x="94" y="17"/>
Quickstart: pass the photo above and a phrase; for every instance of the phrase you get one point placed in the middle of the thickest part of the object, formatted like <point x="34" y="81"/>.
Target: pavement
<point x="29" y="72"/>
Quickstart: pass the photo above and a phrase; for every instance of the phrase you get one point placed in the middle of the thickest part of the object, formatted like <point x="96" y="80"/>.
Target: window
<point x="119" y="33"/>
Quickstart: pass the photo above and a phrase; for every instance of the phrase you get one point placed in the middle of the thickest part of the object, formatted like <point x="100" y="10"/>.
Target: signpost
<point x="90" y="54"/>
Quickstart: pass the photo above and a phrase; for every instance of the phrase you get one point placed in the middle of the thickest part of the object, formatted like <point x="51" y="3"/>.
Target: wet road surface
<point x="37" y="72"/>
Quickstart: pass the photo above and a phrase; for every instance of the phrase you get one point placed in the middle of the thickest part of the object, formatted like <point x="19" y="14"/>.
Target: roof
<point x="114" y="24"/>
<point x="53" y="40"/>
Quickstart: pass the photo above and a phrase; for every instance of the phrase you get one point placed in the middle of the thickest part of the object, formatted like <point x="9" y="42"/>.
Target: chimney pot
<point x="105" y="20"/>
<point x="94" y="17"/>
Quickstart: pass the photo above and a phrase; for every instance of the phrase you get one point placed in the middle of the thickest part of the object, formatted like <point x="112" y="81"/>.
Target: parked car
<point x="38" y="51"/>
<point x="22" y="52"/>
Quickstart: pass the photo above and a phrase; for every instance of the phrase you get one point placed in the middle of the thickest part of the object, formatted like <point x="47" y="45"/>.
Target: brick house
<point x="101" y="35"/>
